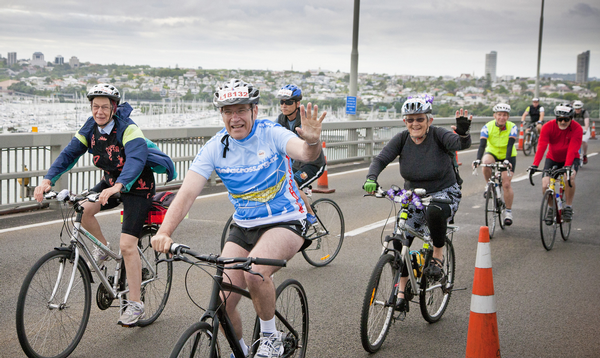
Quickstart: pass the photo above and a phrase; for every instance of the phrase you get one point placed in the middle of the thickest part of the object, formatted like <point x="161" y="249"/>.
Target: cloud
<point x="584" y="10"/>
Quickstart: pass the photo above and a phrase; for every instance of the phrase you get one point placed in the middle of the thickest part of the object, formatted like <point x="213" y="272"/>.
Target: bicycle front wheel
<point x="292" y="318"/>
<point x="548" y="224"/>
<point x="527" y="143"/>
<point x="327" y="234"/>
<point x="435" y="293"/>
<point x="156" y="278"/>
<point x="565" y="227"/>
<point x="46" y="325"/>
<point x="378" y="304"/>
<point x="491" y="213"/>
<point x="195" y="342"/>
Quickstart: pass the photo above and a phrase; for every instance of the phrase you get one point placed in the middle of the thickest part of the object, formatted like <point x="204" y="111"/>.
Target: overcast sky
<point x="439" y="37"/>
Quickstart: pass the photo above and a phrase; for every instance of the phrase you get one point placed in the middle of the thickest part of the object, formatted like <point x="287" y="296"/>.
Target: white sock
<point x="268" y="326"/>
<point x="244" y="346"/>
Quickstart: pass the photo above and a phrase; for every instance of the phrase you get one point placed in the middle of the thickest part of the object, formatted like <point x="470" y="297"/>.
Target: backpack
<point x="452" y="155"/>
<point x="160" y="203"/>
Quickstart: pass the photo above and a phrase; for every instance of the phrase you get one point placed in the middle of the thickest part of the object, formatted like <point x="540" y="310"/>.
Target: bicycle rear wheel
<point x="195" y="342"/>
<point x="291" y="314"/>
<point x="435" y="294"/>
<point x="377" y="310"/>
<point x="490" y="209"/>
<point x="548" y="228"/>
<point x="327" y="234"/>
<point x="225" y="233"/>
<point x="47" y="328"/>
<point x="156" y="278"/>
<point x="527" y="143"/>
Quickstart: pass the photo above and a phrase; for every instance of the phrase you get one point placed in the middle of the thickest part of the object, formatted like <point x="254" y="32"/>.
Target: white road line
<point x="366" y="228"/>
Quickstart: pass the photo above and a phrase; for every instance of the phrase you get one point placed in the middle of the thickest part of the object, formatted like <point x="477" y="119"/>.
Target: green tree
<point x="571" y="96"/>
<point x="306" y="74"/>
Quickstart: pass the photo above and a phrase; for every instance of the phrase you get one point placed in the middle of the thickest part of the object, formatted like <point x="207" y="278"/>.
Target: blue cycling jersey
<point x="257" y="173"/>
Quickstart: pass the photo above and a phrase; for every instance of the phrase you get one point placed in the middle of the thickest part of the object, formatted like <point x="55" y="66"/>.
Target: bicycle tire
<point x="195" y="342"/>
<point x="42" y="330"/>
<point x="565" y="227"/>
<point x="377" y="312"/>
<point x="534" y="142"/>
<point x="225" y="233"/>
<point x="154" y="293"/>
<point x="490" y="210"/>
<point x="548" y="232"/>
<point x="435" y="294"/>
<point x="328" y="233"/>
<point x="499" y="208"/>
<point x="292" y="305"/>
<point x="527" y="143"/>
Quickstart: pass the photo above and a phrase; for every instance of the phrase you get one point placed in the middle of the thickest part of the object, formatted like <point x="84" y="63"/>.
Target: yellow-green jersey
<point x="497" y="139"/>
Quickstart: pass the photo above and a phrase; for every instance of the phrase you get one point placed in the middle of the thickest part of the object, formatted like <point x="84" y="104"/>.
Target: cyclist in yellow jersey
<point x="497" y="143"/>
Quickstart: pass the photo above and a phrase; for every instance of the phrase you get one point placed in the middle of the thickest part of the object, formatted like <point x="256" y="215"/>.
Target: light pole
<point x="537" y="78"/>
<point x="354" y="56"/>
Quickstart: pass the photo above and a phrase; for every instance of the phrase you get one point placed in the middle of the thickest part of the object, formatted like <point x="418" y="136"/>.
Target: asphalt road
<point x="547" y="302"/>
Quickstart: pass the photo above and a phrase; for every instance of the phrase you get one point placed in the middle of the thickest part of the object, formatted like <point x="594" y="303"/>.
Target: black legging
<point x="437" y="215"/>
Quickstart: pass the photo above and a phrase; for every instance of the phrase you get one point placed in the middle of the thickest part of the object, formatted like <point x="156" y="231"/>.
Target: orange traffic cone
<point x="482" y="338"/>
<point x="593" y="134"/>
<point x="322" y="182"/>
<point x="521" y="138"/>
<point x="459" y="163"/>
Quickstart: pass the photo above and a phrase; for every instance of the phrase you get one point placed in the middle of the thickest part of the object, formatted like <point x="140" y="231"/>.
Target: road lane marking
<point x="369" y="227"/>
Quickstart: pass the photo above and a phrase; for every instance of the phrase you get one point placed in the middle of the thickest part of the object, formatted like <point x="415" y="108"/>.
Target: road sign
<point x="350" y="104"/>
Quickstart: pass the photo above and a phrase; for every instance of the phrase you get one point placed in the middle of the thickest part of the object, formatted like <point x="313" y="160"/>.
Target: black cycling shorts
<point x="307" y="174"/>
<point x="551" y="163"/>
<point x="511" y="160"/>
<point x="248" y="237"/>
<point x="135" y="209"/>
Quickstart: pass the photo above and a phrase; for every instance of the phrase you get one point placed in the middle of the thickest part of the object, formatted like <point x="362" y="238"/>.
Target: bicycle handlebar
<point x="398" y="195"/>
<point x="179" y="249"/>
<point x="553" y="172"/>
<point x="65" y="196"/>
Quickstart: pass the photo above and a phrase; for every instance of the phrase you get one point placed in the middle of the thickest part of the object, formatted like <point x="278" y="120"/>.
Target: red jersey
<point x="564" y="144"/>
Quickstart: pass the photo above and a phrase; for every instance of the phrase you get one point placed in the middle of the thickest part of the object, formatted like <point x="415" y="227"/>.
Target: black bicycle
<point x="326" y="236"/>
<point x="201" y="339"/>
<point x="531" y="139"/>
<point x="494" y="196"/>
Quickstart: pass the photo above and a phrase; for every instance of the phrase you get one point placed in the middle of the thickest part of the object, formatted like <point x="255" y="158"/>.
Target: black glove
<point x="462" y="125"/>
<point x="532" y="168"/>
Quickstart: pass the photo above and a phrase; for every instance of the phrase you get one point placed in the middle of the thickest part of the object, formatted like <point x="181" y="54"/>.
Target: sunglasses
<point x="411" y="120"/>
<point x="289" y="102"/>
<point x="563" y="119"/>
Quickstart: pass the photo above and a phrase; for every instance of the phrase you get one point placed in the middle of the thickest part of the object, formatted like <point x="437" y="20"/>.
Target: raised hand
<point x="311" y="124"/>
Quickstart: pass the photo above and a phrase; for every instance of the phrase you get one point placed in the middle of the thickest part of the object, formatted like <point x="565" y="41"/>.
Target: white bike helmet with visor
<point x="235" y="92"/>
<point x="563" y="111"/>
<point x="417" y="105"/>
<point x="577" y="105"/>
<point x="501" y="107"/>
<point x="104" y="90"/>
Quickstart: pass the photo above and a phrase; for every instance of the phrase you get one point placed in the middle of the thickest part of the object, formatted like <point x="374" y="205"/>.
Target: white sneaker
<point x="508" y="218"/>
<point x="271" y="345"/>
<point x="100" y="256"/>
<point x="132" y="312"/>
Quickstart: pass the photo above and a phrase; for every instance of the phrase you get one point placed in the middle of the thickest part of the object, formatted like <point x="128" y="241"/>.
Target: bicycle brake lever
<point x="249" y="270"/>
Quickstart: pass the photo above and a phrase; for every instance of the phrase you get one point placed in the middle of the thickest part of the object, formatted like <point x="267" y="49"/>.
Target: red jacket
<point x="564" y="144"/>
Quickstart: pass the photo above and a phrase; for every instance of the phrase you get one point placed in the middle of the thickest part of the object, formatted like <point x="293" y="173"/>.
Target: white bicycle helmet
<point x="235" y="92"/>
<point x="535" y="100"/>
<point x="104" y="90"/>
<point x="417" y="105"/>
<point x="577" y="105"/>
<point x="501" y="107"/>
<point x="563" y="110"/>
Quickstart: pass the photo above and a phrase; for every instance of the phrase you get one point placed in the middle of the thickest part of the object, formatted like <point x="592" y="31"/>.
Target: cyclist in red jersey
<point x="563" y="138"/>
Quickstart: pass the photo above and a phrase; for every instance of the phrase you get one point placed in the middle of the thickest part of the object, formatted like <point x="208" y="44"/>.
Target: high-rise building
<point x="59" y="60"/>
<point x="490" y="65"/>
<point x="12" y="58"/>
<point x="74" y="62"/>
<point x="37" y="59"/>
<point x="583" y="67"/>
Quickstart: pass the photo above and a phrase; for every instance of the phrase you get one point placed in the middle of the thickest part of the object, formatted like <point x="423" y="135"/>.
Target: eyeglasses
<point x="96" y="108"/>
<point x="563" y="119"/>
<point x="288" y="102"/>
<point x="228" y="113"/>
<point x="410" y="120"/>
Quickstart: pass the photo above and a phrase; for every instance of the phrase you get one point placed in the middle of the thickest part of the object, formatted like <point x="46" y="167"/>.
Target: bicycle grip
<point x="270" y="262"/>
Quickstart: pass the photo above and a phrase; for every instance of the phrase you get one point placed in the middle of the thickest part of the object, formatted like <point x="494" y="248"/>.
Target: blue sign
<point x="350" y="104"/>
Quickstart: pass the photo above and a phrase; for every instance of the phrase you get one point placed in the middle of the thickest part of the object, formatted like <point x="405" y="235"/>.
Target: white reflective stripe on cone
<point x="484" y="255"/>
<point x="483" y="304"/>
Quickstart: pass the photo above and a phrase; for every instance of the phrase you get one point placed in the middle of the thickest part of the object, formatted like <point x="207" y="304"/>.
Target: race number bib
<point x="284" y="93"/>
<point x="226" y="94"/>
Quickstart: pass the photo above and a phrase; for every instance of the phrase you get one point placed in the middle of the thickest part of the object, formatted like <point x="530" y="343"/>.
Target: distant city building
<point x="490" y="65"/>
<point x="74" y="62"/>
<point x="37" y="59"/>
<point x="59" y="60"/>
<point x="583" y="67"/>
<point x="12" y="58"/>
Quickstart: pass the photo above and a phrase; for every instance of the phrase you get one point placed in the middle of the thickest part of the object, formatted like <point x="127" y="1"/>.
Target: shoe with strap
<point x="271" y="345"/>
<point x="436" y="269"/>
<point x="100" y="256"/>
<point x="567" y="214"/>
<point x="585" y="161"/>
<point x="132" y="313"/>
<point x="311" y="218"/>
<point x="508" y="218"/>
<point x="549" y="216"/>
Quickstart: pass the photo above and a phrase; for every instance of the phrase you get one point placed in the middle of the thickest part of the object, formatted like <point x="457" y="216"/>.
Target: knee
<point x="127" y="249"/>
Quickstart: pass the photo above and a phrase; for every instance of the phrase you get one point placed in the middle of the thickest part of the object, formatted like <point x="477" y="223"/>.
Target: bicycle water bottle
<point x="417" y="262"/>
<point x="558" y="202"/>
<point x="497" y="190"/>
